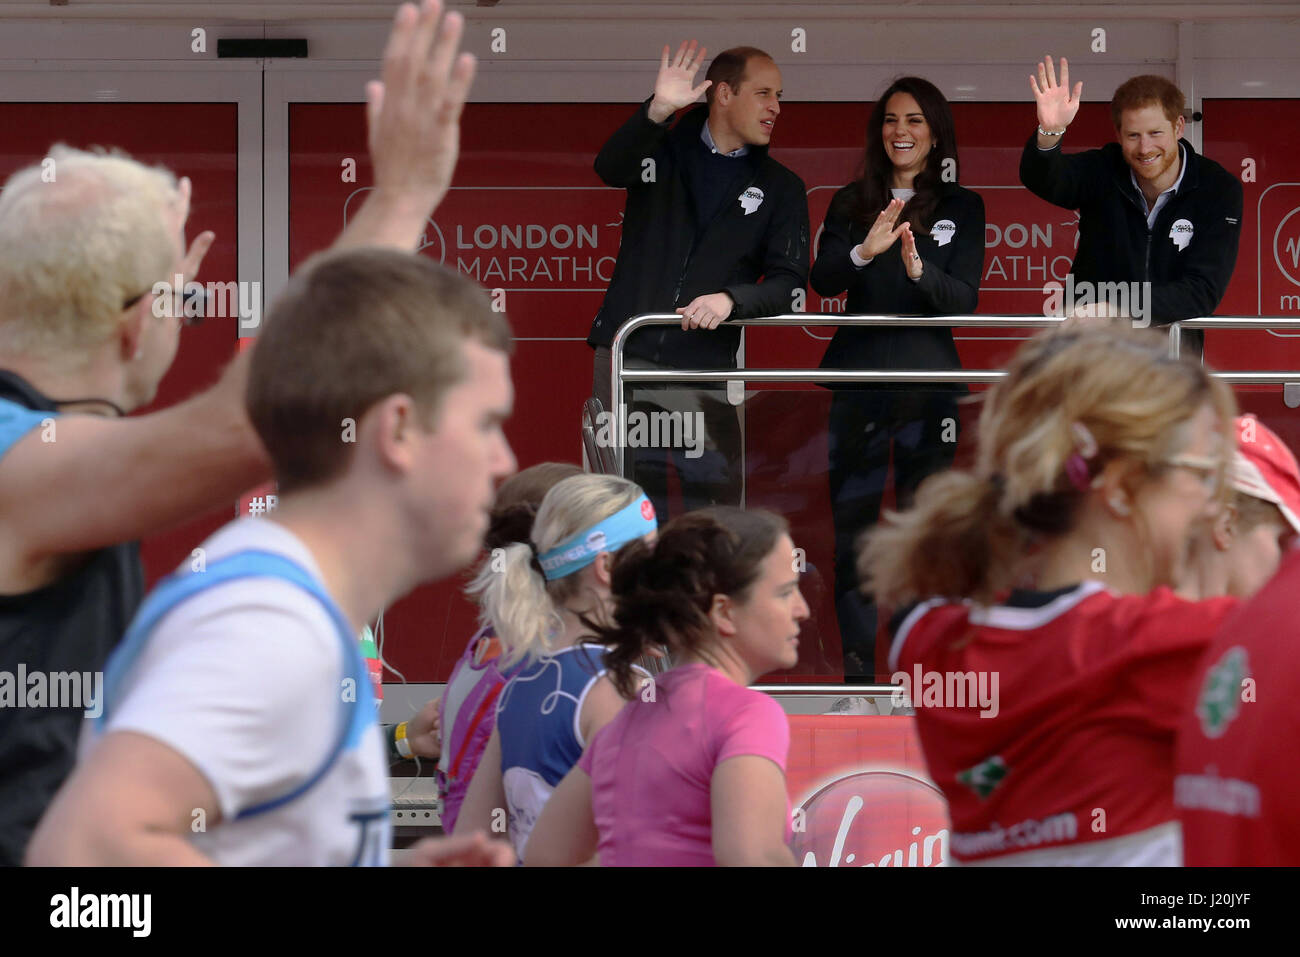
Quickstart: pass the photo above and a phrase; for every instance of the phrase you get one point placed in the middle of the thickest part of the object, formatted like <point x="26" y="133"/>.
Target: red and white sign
<point x="861" y="794"/>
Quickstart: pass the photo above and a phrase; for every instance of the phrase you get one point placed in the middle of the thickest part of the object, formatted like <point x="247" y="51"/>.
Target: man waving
<point x="1154" y="215"/>
<point x="708" y="215"/>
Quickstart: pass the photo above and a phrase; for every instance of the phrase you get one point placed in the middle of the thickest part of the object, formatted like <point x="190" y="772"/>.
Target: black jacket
<point x="949" y="285"/>
<point x="1114" y="242"/>
<point x="662" y="264"/>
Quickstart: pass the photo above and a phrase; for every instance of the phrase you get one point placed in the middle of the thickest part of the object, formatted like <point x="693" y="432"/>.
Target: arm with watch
<point x="1065" y="181"/>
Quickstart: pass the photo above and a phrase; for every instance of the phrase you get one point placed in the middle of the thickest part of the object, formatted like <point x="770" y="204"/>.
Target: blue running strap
<point x="16" y="421"/>
<point x="355" y="716"/>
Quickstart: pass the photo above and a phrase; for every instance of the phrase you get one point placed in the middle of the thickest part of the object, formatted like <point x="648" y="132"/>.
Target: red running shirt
<point x="1049" y="721"/>
<point x="1237" y="789"/>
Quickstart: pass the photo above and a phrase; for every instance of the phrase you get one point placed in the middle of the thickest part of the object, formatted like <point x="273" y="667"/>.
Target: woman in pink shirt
<point x="692" y="771"/>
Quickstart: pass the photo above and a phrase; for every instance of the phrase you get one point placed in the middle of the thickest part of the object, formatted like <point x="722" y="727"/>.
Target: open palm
<point x="1056" y="106"/>
<point x="674" y="87"/>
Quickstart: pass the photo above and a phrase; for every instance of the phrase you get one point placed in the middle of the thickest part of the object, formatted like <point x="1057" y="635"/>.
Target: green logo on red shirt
<point x="1220" y="699"/>
<point x="984" y="777"/>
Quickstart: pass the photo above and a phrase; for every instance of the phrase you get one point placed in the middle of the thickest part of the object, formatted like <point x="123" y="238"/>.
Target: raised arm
<point x="413" y="117"/>
<point x="87" y="482"/>
<point x="103" y="481"/>
<point x="1044" y="170"/>
<point x="1057" y="107"/>
<point x="621" y="161"/>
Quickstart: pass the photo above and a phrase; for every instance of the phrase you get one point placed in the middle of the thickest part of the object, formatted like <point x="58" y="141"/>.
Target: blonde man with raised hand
<point x="238" y="724"/>
<point x="81" y="345"/>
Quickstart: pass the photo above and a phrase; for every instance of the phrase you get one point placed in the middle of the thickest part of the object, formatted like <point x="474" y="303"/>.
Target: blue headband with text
<point x="635" y="521"/>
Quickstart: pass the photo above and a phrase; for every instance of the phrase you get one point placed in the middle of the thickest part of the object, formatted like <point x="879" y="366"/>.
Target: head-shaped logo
<point x="751" y="199"/>
<point x="1181" y="233"/>
<point x="943" y="231"/>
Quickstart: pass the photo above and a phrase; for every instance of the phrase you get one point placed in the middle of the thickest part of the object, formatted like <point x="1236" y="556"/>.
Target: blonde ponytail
<point x="515" y="599"/>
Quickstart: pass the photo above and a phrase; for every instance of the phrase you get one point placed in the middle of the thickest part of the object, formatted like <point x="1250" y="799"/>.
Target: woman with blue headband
<point x="691" y="772"/>
<point x="542" y="599"/>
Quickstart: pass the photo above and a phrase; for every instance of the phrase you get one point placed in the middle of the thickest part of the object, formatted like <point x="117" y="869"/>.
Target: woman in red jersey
<point x="1050" y="672"/>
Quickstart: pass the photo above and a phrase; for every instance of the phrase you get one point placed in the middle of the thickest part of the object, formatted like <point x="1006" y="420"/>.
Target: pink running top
<point x="652" y="766"/>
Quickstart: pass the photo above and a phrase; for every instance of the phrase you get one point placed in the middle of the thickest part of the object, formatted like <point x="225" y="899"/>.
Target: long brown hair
<point x="871" y="193"/>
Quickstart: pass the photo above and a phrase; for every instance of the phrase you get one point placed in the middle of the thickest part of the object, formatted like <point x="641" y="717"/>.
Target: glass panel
<point x="828" y="462"/>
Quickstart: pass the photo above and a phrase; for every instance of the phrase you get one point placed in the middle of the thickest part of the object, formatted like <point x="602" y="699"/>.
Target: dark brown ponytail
<point x="663" y="593"/>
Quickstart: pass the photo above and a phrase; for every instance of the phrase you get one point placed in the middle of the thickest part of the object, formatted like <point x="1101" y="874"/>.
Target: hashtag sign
<point x="257" y="506"/>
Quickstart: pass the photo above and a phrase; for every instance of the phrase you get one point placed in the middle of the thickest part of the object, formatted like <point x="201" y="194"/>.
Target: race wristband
<point x="400" y="741"/>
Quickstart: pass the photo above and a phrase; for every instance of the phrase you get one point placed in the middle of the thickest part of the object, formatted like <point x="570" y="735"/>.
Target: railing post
<point x="619" y="430"/>
<point x="1175" y="339"/>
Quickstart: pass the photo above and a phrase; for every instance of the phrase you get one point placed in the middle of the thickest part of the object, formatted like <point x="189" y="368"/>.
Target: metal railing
<point x="599" y="455"/>
<point x="829" y="689"/>
<point x="620" y="375"/>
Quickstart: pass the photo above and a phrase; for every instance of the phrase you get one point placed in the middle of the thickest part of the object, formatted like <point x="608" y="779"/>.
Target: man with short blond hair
<point x="84" y="340"/>
<point x="238" y="695"/>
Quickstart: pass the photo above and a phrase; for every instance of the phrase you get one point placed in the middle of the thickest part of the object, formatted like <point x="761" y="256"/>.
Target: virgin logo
<point x="874" y="818"/>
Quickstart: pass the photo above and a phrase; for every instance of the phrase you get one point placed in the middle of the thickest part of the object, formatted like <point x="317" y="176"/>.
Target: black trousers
<point x="920" y="429"/>
<point x="706" y="450"/>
